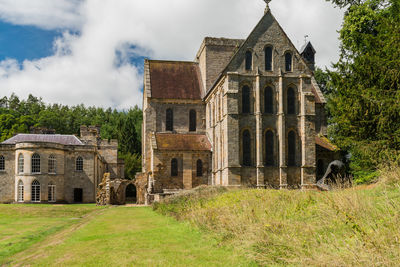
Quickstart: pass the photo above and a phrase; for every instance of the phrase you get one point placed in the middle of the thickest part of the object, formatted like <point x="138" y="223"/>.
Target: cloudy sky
<point x="92" y="51"/>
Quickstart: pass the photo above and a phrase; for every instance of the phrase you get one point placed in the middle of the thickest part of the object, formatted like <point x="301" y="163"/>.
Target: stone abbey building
<point x="51" y="168"/>
<point x="243" y="113"/>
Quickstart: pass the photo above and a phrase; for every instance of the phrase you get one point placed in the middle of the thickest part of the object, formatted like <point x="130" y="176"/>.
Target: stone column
<point x="233" y="130"/>
<point x="308" y="153"/>
<point x="282" y="135"/>
<point x="187" y="171"/>
<point x="259" y="135"/>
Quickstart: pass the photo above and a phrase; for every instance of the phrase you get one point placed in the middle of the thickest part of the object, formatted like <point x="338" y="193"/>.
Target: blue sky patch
<point x="25" y="42"/>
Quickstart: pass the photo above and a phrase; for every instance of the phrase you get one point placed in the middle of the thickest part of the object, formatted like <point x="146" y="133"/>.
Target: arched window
<point x="245" y="99"/>
<point x="52" y="164"/>
<point x="246" y="148"/>
<point x="79" y="164"/>
<point x="292" y="148"/>
<point x="51" y="192"/>
<point x="291" y="101"/>
<point x="21" y="163"/>
<point x="320" y="168"/>
<point x="269" y="148"/>
<point x="20" y="191"/>
<point x="174" y="167"/>
<point x="249" y="60"/>
<point x="35" y="164"/>
<point x="268" y="58"/>
<point x="199" y="168"/>
<point x="288" y="61"/>
<point x="35" y="194"/>
<point x="268" y="100"/>
<point x="192" y="120"/>
<point x="169" y="121"/>
<point x="2" y="163"/>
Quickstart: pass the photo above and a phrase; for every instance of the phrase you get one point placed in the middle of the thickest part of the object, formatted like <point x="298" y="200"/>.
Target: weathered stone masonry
<point x="70" y="183"/>
<point x="261" y="114"/>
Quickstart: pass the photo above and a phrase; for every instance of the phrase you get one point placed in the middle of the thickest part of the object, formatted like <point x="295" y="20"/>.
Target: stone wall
<point x="187" y="177"/>
<point x="85" y="179"/>
<point x="226" y="122"/>
<point x="7" y="189"/>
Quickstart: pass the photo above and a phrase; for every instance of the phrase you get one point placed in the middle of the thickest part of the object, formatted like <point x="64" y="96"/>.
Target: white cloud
<point x="47" y="14"/>
<point x="83" y="68"/>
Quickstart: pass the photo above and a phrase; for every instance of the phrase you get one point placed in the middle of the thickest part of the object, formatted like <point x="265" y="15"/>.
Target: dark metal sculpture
<point x="336" y="168"/>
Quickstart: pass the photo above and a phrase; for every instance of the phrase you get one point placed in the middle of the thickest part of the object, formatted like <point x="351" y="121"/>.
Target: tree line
<point x="363" y="96"/>
<point x="19" y="116"/>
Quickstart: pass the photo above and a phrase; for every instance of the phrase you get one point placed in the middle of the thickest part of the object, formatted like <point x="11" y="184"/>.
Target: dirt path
<point x="128" y="236"/>
<point x="38" y="250"/>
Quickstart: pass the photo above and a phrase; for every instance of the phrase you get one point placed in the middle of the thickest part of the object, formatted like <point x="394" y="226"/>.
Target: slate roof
<point x="325" y="143"/>
<point x="304" y="47"/>
<point x="44" y="138"/>
<point x="182" y="142"/>
<point x="175" y="80"/>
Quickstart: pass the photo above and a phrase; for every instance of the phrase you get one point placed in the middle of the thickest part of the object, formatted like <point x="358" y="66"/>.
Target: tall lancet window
<point x="291" y="101"/>
<point x="268" y="58"/>
<point x="245" y="100"/>
<point x="246" y="148"/>
<point x="268" y="101"/>
<point x="269" y="148"/>
<point x="174" y="167"/>
<point x="249" y="60"/>
<point x="169" y="122"/>
<point x="192" y="120"/>
<point x="288" y="61"/>
<point x="199" y="168"/>
<point x="292" y="148"/>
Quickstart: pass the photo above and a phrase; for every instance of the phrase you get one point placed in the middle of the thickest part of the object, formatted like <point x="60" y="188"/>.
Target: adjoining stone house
<point x="243" y="113"/>
<point x="51" y="168"/>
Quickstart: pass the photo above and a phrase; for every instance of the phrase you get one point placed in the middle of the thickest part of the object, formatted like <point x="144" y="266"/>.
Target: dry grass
<point x="357" y="226"/>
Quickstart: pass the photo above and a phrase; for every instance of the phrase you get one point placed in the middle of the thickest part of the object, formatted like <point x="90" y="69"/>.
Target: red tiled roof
<point x="325" y="143"/>
<point x="183" y="142"/>
<point x="175" y="80"/>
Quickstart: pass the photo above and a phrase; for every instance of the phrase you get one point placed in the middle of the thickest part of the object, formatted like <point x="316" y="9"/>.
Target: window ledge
<point x="36" y="173"/>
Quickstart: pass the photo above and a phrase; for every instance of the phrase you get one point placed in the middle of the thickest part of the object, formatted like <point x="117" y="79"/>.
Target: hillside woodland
<point x="19" y="116"/>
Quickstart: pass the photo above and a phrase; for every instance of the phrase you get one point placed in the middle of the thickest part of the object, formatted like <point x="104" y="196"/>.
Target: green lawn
<point x="116" y="236"/>
<point x="21" y="226"/>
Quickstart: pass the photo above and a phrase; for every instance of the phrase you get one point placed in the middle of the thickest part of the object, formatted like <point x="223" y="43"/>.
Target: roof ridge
<point x="172" y="61"/>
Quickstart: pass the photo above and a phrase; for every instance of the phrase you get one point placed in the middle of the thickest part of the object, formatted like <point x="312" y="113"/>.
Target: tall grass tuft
<point x="355" y="226"/>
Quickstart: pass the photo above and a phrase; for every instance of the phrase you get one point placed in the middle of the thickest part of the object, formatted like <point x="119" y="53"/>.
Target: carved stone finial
<point x="267" y="7"/>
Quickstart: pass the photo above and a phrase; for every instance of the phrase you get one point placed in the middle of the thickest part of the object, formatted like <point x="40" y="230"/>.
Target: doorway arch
<point x="130" y="194"/>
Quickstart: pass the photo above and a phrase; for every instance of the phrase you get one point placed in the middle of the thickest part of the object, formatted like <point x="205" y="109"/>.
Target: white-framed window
<point x="2" y="163"/>
<point x="52" y="164"/>
<point x="79" y="164"/>
<point x="35" y="192"/>
<point x="20" y="191"/>
<point x="51" y="192"/>
<point x="35" y="163"/>
<point x="21" y="163"/>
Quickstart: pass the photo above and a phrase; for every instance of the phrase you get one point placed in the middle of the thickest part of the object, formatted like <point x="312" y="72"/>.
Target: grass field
<point x="86" y="235"/>
<point x="353" y="227"/>
<point x="22" y="226"/>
